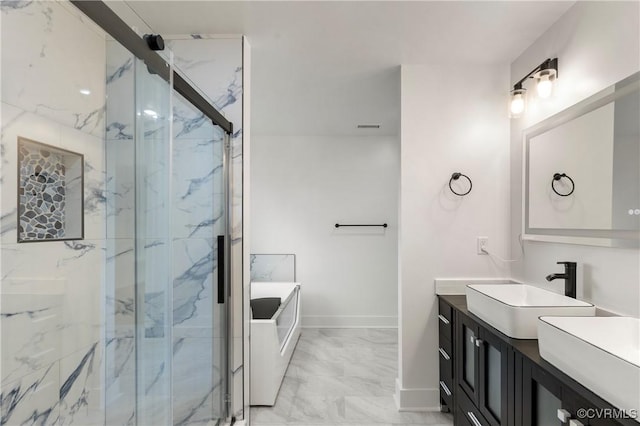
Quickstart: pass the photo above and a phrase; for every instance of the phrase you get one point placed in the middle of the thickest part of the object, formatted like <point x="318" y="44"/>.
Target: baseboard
<point x="348" y="321"/>
<point x="416" y="399"/>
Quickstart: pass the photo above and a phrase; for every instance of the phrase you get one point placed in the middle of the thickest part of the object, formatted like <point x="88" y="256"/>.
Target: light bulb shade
<point x="517" y="102"/>
<point x="545" y="84"/>
<point x="546" y="78"/>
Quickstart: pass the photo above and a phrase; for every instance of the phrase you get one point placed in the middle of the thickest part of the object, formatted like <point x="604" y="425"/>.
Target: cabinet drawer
<point x="469" y="411"/>
<point x="445" y="348"/>
<point x="461" y="419"/>
<point x="446" y="393"/>
<point x="446" y="362"/>
<point x="445" y="321"/>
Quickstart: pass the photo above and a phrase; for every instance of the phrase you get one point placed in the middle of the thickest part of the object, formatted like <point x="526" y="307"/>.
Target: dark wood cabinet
<point x="445" y="350"/>
<point x="466" y="356"/>
<point x="546" y="401"/>
<point x="493" y="364"/>
<point x="489" y="379"/>
<point x="541" y="397"/>
<point x="482" y="366"/>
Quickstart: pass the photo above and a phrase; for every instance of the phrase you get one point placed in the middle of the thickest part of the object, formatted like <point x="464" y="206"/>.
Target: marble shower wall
<point x="51" y="292"/>
<point x="273" y="267"/>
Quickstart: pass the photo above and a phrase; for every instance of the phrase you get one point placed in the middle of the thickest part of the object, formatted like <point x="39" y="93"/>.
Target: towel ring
<point x="557" y="177"/>
<point x="457" y="176"/>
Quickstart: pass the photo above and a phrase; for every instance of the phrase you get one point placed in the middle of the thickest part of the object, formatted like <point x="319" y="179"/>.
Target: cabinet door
<point x="575" y="404"/>
<point x="541" y="397"/>
<point x="544" y="397"/>
<point x="467" y="356"/>
<point x="493" y="362"/>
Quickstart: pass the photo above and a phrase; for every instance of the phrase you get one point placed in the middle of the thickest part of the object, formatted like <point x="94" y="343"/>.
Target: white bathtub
<point x="273" y="340"/>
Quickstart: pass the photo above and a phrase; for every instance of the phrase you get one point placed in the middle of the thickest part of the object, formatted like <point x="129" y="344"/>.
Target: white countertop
<point x="457" y="286"/>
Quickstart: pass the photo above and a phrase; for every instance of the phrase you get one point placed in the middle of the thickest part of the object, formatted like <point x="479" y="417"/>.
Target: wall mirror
<point x="582" y="171"/>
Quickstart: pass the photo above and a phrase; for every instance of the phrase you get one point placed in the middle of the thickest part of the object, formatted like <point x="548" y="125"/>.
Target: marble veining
<point x="8" y="5"/>
<point x="51" y="316"/>
<point x="120" y="71"/>
<point x="190" y="285"/>
<point x="7" y="222"/>
<point x="273" y="267"/>
<point x="233" y="91"/>
<point x="49" y="87"/>
<point x="32" y="400"/>
<point x="78" y="250"/>
<point x="197" y="182"/>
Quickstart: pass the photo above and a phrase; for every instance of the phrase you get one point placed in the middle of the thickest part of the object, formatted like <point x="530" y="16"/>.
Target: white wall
<point x="300" y="188"/>
<point x="597" y="44"/>
<point x="450" y="123"/>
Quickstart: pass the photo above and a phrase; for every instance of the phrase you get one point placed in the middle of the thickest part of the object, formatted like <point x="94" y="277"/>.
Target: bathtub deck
<point x="342" y="377"/>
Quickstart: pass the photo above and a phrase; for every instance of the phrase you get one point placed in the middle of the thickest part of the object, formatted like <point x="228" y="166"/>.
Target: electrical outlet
<point x="483" y="243"/>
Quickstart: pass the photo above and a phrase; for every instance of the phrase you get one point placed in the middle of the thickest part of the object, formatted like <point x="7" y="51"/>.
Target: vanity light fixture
<point x="545" y="74"/>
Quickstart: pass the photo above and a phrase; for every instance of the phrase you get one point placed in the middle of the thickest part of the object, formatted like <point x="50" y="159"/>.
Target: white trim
<point x="349" y="321"/>
<point x="416" y="399"/>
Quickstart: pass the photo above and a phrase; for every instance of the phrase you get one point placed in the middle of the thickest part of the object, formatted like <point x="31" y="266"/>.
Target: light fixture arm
<point x="547" y="64"/>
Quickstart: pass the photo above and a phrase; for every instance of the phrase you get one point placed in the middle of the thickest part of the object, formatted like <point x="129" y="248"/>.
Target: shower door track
<point x="111" y="23"/>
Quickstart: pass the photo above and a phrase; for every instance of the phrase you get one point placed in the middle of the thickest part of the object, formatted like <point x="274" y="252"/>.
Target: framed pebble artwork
<point x="50" y="193"/>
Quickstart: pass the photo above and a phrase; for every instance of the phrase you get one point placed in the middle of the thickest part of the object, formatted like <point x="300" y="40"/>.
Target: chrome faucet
<point x="569" y="277"/>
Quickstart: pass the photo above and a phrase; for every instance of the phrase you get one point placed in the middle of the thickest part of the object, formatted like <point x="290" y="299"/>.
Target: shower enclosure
<point x="125" y="318"/>
<point x="166" y="354"/>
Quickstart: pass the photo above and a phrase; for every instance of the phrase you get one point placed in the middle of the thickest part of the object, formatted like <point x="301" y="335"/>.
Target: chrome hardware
<point x="443" y="319"/>
<point x="479" y="342"/>
<point x="563" y="415"/>
<point x="473" y="418"/>
<point x="444" y="354"/>
<point x="445" y="388"/>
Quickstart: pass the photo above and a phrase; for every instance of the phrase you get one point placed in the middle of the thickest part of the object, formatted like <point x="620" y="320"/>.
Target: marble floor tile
<point x="342" y="377"/>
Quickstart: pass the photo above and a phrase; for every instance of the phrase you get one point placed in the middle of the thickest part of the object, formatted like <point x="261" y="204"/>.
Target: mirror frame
<point x="600" y="237"/>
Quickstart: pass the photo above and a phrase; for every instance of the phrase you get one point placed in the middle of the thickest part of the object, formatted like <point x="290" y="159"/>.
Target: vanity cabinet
<point x="482" y="361"/>
<point x="489" y="379"/>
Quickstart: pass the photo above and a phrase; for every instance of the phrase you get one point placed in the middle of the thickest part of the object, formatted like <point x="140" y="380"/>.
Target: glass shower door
<point x="153" y="266"/>
<point x="199" y="316"/>
<point x="167" y="337"/>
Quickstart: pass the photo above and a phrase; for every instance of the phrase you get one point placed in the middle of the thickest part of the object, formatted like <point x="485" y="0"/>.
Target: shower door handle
<point x="221" y="271"/>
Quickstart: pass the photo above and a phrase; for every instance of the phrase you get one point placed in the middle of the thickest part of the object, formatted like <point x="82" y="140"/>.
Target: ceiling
<point x="322" y="67"/>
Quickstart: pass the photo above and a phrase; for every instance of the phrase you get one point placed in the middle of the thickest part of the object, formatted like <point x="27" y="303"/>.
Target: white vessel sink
<point x="601" y="353"/>
<point x="514" y="308"/>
